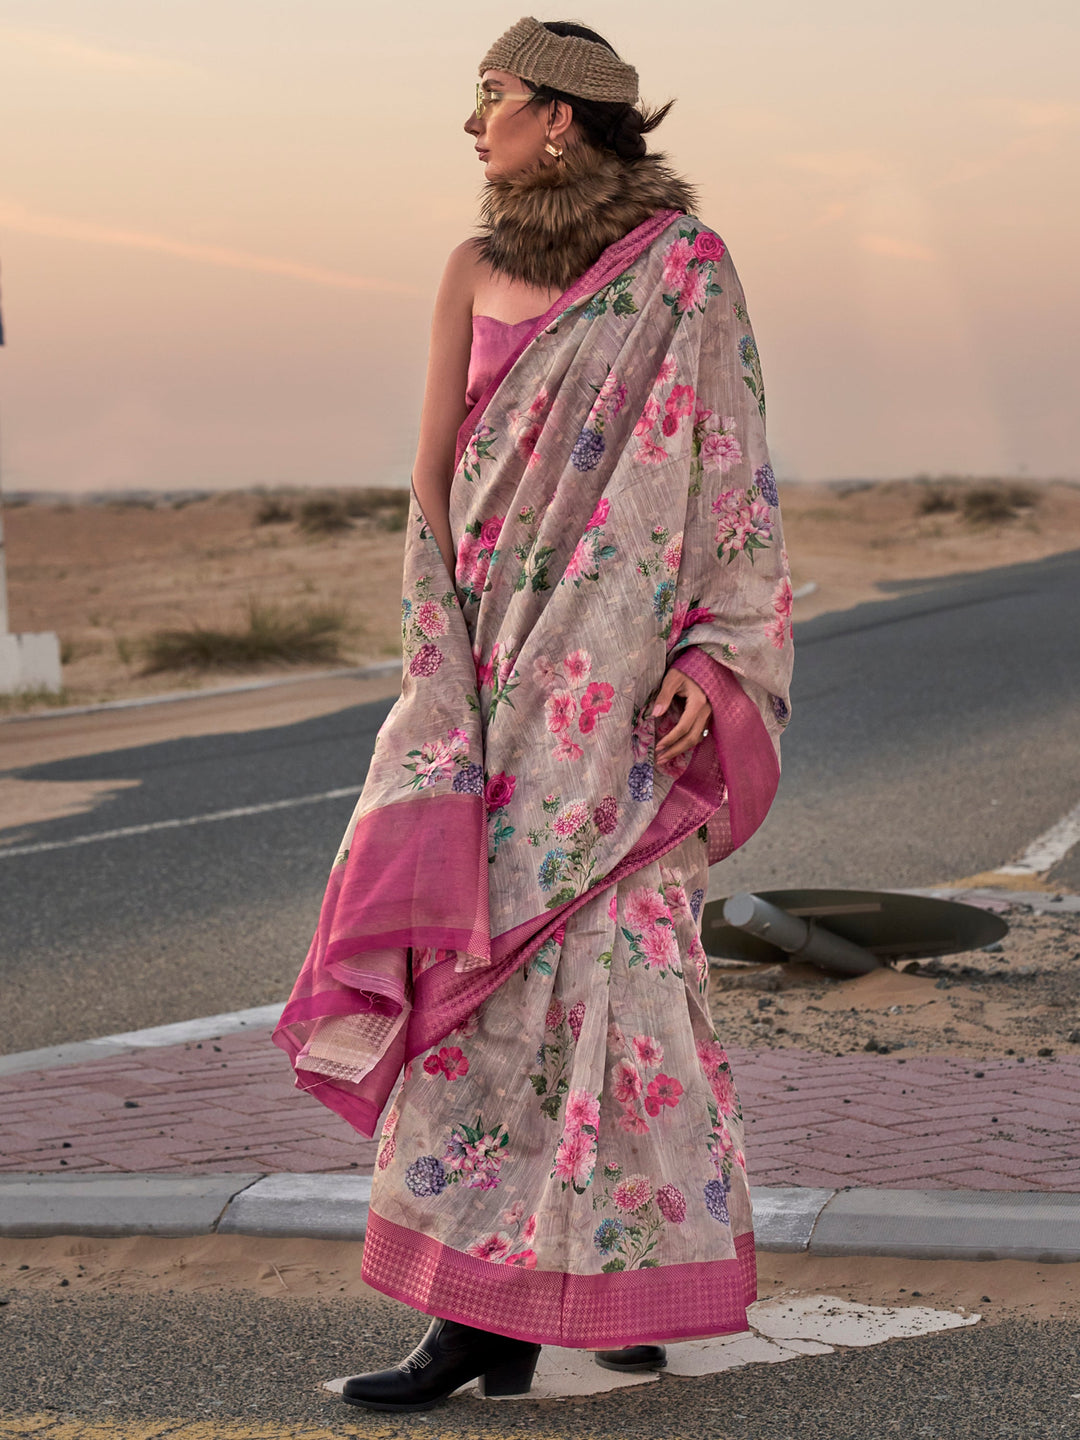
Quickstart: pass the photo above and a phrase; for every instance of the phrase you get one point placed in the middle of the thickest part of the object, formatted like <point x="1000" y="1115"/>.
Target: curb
<point x="350" y="672"/>
<point x="909" y="1224"/>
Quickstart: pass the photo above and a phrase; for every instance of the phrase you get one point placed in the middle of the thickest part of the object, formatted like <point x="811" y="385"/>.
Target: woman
<point x="590" y="716"/>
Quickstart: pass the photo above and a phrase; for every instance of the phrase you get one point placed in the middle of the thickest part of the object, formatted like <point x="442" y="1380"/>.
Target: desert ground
<point x="108" y="576"/>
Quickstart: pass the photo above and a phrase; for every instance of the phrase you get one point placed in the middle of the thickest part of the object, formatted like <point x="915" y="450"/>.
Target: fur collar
<point x="549" y="225"/>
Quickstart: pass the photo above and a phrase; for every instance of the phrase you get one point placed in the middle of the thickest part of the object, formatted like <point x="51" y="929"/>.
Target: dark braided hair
<point x="605" y="124"/>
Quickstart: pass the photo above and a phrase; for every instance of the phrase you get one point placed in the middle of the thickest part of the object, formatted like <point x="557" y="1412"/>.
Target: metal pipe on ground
<point x="801" y="939"/>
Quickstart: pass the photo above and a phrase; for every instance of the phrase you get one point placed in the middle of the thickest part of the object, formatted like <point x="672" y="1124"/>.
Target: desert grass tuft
<point x="995" y="503"/>
<point x="935" y="499"/>
<point x="272" y="634"/>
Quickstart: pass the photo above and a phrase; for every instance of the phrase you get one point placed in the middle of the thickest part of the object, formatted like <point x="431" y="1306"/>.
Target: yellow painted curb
<point x="997" y="880"/>
<point x="356" y="1425"/>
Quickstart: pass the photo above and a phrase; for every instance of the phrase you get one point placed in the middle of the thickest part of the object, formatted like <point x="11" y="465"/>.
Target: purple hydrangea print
<point x="426" y="660"/>
<point x="716" y="1201"/>
<point x="608" y="1234"/>
<point x="587" y="450"/>
<point x="426" y="1176"/>
<point x="780" y="708"/>
<point x="469" y="780"/>
<point x="766" y="483"/>
<point x="641" y="780"/>
<point x="606" y="815"/>
<point x="695" y="902"/>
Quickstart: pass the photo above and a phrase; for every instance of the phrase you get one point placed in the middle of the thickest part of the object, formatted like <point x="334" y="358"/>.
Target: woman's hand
<point x="692" y="724"/>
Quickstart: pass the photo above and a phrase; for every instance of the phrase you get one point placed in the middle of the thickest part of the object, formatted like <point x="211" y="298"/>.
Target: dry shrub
<point x="272" y="634"/>
<point x="934" y="499"/>
<point x="273" y="511"/>
<point x="323" y="515"/>
<point x="387" y="506"/>
<point x="993" y="504"/>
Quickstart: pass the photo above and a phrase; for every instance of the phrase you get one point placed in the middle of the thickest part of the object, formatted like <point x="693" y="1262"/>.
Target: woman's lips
<point x="482" y="154"/>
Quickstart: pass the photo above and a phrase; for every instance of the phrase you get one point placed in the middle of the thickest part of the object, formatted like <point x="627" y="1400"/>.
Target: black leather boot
<point x="449" y="1355"/>
<point x="633" y="1358"/>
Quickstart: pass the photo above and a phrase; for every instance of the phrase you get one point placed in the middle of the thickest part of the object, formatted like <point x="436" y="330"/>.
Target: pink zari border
<point x="547" y="1307"/>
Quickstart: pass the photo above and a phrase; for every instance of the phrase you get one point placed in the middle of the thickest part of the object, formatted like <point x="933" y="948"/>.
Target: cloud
<point x="896" y="249"/>
<point x="848" y="165"/>
<point x="58" y="47"/>
<point x="58" y="227"/>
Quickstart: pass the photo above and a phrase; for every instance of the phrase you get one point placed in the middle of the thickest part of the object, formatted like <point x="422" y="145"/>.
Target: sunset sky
<point x="222" y="223"/>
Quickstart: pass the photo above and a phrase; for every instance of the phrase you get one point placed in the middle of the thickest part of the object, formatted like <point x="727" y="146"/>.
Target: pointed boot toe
<point x="633" y="1359"/>
<point x="449" y="1356"/>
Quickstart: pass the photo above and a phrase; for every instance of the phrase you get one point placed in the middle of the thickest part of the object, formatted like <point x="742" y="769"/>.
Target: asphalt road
<point x="933" y="736"/>
<point x="227" y="1357"/>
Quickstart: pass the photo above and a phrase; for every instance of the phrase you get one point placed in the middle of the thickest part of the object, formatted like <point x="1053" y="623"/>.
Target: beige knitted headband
<point x="567" y="63"/>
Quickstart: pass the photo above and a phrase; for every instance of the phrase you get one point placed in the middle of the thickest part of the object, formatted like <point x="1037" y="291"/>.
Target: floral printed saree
<point x="513" y="917"/>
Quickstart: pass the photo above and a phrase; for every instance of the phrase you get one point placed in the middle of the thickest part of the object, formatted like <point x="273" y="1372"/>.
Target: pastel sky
<point x="222" y="223"/>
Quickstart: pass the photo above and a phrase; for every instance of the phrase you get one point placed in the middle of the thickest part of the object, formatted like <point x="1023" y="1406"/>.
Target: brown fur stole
<point x="549" y="225"/>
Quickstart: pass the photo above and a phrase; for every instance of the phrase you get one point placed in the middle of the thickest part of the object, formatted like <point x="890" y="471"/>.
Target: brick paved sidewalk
<point x="917" y="1122"/>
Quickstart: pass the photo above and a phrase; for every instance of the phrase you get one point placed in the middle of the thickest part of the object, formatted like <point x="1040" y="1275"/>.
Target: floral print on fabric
<point x="620" y="1142"/>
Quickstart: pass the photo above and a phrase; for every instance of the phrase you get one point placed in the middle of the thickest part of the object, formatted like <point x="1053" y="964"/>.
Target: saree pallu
<point x="513" y="915"/>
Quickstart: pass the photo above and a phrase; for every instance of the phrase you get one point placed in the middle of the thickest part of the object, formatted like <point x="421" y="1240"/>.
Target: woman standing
<point x="597" y="636"/>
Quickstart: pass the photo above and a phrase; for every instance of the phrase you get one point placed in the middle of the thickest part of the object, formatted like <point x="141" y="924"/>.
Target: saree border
<point x="688" y="1301"/>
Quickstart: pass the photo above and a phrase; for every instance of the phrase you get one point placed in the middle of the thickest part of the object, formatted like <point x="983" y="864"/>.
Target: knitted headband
<point x="563" y="62"/>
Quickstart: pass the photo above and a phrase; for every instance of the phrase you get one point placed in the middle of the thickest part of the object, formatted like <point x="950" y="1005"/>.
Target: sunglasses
<point x="486" y="98"/>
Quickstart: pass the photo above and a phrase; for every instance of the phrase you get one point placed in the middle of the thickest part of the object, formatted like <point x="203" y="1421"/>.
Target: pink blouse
<point x="492" y="342"/>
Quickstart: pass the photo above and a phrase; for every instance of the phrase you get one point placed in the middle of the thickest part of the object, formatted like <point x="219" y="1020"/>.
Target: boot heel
<point x="511" y="1377"/>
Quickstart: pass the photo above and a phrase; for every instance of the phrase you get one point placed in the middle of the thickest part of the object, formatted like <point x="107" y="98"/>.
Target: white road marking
<point x="1044" y="852"/>
<point x="125" y="830"/>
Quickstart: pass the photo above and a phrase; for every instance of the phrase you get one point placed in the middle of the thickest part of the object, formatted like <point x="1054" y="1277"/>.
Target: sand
<point x="1023" y="999"/>
<point x="302" y="1269"/>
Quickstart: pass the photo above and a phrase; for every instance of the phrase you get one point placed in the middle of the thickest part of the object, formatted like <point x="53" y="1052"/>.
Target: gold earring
<point x="553" y="150"/>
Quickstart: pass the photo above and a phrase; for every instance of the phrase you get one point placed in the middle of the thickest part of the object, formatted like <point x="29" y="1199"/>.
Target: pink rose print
<point x="612" y="910"/>
<point x="555" y="1015"/>
<point x="527" y="438"/>
<point x="512" y="1215"/>
<point x="495" y="1247"/>
<point x="711" y="1054"/>
<point x="671" y="1203"/>
<point x="559" y="709"/>
<point x="599" y="515"/>
<point x="666" y="371"/>
<point x="499" y="790"/>
<point x="484" y="671"/>
<point x="648" y="1050"/>
<point x="672" y="554"/>
<point x="528" y="1233"/>
<point x="540" y="403"/>
<point x="633" y="1193"/>
<point x="664" y="1090"/>
<point x="626" y="1082"/>
<point x="581" y="1109"/>
<point x="489" y="531"/>
<point x="669" y="426"/>
<point x="544" y="673"/>
<point x="708" y="246"/>
<point x="782" y="598"/>
<point x="449" y="1062"/>
<point x="597" y="699"/>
